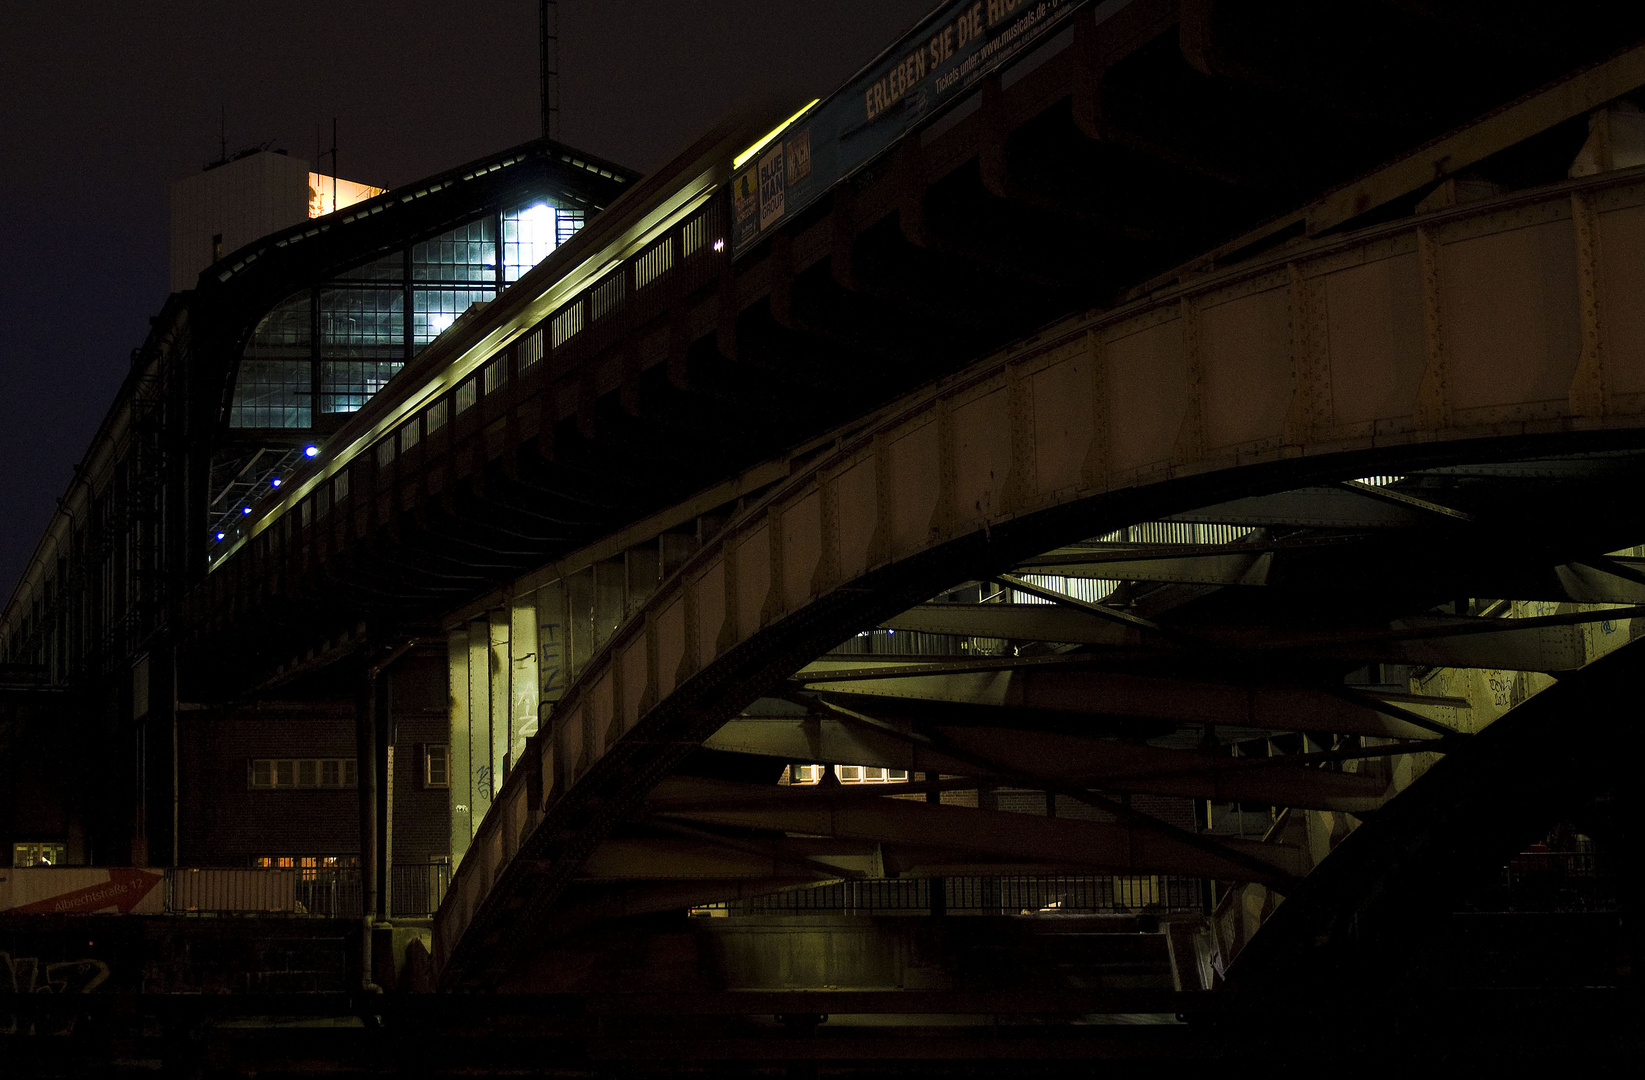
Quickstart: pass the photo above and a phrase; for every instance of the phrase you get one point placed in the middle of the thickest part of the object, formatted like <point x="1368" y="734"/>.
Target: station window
<point x="308" y="867"/>
<point x="529" y="234"/>
<point x="271" y="394"/>
<point x="38" y="853"/>
<point x="467" y="394"/>
<point x="280" y="773"/>
<point x="339" y="487"/>
<point x="346" y="385"/>
<point x="409" y="435"/>
<point x="437" y="416"/>
<point x="367" y="322"/>
<point x="385" y="453"/>
<point x="847" y="774"/>
<point x="436" y="765"/>
<point x="466" y="253"/>
<point x="435" y="309"/>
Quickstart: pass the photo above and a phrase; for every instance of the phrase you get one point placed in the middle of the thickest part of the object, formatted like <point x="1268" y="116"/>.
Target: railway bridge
<point x="1183" y="461"/>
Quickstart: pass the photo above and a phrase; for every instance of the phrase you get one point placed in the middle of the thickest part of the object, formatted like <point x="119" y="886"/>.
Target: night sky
<point x="103" y="104"/>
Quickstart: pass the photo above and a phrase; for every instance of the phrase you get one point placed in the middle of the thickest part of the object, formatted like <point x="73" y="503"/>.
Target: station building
<point x="296" y="296"/>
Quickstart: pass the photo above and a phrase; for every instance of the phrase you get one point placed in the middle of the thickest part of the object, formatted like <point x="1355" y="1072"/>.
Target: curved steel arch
<point x="1487" y="333"/>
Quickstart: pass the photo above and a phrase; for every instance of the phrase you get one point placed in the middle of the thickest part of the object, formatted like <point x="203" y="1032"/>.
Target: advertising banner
<point x="934" y="64"/>
<point x="81" y="891"/>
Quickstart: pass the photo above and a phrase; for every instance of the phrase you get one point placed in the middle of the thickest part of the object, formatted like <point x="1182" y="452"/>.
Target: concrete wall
<point x="241" y="201"/>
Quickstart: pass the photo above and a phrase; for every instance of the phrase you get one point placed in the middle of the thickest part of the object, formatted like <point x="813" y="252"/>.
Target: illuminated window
<point x="38" y="853"/>
<point x="437" y="416"/>
<point x="272" y="394"/>
<point x="365" y="323"/>
<point x="286" y="331"/>
<point x="847" y="774"/>
<point x="466" y="253"/>
<point x="529" y="234"/>
<point x="568" y="222"/>
<point x="385" y="453"/>
<point x="346" y="385"/>
<point x="308" y="867"/>
<point x="409" y="435"/>
<point x="434" y="310"/>
<point x="436" y="765"/>
<point x="467" y="394"/>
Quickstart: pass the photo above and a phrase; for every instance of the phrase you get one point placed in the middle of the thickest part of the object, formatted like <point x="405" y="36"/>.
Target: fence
<point x="230" y="891"/>
<point x="334" y="892"/>
<point x="983" y="895"/>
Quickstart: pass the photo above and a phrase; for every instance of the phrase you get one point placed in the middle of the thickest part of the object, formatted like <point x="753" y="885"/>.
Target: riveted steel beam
<point x="1111" y="848"/>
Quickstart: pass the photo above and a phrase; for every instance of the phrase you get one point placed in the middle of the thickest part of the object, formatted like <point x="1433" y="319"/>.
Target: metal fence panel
<point x="231" y="890"/>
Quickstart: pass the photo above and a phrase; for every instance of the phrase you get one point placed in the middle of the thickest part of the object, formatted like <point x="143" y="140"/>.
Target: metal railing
<point x="1097" y="894"/>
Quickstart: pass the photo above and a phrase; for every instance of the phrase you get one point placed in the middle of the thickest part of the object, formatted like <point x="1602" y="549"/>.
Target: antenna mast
<point x="548" y="32"/>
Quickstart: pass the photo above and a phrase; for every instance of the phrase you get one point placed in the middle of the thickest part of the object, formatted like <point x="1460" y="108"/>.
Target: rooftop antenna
<point x="548" y="31"/>
<point x="319" y="156"/>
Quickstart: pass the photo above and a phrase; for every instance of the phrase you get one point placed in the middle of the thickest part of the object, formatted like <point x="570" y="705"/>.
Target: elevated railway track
<point x="1048" y="188"/>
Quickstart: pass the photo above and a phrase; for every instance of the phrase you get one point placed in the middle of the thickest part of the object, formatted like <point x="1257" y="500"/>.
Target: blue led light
<point x="245" y="509"/>
<point x="311" y="451"/>
<point x="274" y="482"/>
<point x="219" y="536"/>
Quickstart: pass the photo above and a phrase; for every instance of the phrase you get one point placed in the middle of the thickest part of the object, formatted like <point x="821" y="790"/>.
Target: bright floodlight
<point x="245" y="509"/>
<point x="310" y="451"/>
<point x="219" y="536"/>
<point x="537" y="226"/>
<point x="275" y="482"/>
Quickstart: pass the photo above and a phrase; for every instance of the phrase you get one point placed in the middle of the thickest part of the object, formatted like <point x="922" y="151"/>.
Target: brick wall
<point x="223" y="822"/>
<point x="421" y="707"/>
